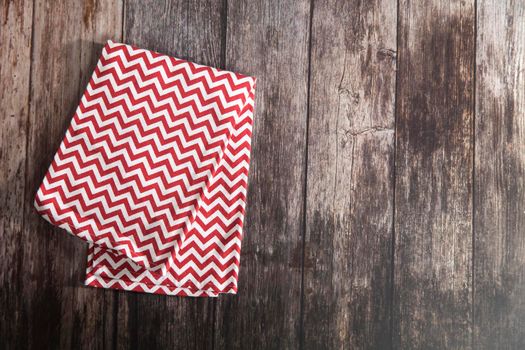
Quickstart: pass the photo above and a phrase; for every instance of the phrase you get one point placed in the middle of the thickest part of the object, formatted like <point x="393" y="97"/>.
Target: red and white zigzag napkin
<point x="153" y="172"/>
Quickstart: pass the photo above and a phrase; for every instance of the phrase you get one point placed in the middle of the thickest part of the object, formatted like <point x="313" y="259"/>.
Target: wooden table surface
<point x="386" y="200"/>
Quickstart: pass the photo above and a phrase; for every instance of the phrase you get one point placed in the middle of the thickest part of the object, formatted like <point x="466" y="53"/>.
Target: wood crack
<point x="369" y="130"/>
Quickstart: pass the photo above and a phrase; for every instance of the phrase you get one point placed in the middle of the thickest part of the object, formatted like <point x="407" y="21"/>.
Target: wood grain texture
<point x="499" y="245"/>
<point x="269" y="40"/>
<point x="15" y="49"/>
<point x="191" y="30"/>
<point x="363" y="231"/>
<point x="349" y="215"/>
<point x="433" y="204"/>
<point x="57" y="311"/>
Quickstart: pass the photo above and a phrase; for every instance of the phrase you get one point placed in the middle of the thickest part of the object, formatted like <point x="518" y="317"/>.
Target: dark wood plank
<point x="349" y="215"/>
<point x="192" y="30"/>
<point x="57" y="310"/>
<point x="433" y="204"/>
<point x="15" y="47"/>
<point x="499" y="245"/>
<point x="147" y="321"/>
<point x="269" y="40"/>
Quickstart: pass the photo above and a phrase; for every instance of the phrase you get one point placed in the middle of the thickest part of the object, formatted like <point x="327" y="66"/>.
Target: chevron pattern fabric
<point x="153" y="173"/>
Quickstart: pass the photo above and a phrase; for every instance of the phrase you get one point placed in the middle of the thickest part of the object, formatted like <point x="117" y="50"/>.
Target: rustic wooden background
<point x="387" y="188"/>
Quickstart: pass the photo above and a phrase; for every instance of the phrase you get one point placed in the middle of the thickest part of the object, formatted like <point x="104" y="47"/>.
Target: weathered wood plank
<point x="57" y="310"/>
<point x="148" y="321"/>
<point x="192" y="30"/>
<point x="349" y="214"/>
<point x="499" y="240"/>
<point x="433" y="204"/>
<point x="269" y="40"/>
<point x="15" y="47"/>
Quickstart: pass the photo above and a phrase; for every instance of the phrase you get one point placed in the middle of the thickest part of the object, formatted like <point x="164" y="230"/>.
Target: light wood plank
<point x="269" y="40"/>
<point x="499" y="250"/>
<point x="350" y="194"/>
<point x="434" y="154"/>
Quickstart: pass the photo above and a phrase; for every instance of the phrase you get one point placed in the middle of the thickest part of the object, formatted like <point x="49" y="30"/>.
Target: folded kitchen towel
<point x="153" y="172"/>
